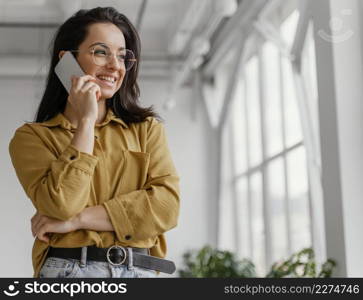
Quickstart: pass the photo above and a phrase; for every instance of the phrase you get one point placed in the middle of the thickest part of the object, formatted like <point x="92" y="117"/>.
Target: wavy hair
<point x="125" y="102"/>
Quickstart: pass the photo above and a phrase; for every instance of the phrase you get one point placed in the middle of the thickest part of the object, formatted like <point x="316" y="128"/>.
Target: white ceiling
<point x="167" y="30"/>
<point x="20" y="33"/>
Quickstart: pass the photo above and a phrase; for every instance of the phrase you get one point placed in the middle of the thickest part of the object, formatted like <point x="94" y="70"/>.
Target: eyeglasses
<point x="102" y="56"/>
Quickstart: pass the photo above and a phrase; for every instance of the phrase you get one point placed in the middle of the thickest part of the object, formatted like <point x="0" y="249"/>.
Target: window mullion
<point x="284" y="157"/>
<point x="233" y="183"/>
<point x="265" y="184"/>
<point x="248" y="164"/>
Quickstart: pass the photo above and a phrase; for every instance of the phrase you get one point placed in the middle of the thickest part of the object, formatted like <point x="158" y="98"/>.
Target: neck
<point x="72" y="117"/>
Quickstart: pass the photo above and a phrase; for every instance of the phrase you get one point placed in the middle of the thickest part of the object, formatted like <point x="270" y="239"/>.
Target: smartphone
<point x="66" y="68"/>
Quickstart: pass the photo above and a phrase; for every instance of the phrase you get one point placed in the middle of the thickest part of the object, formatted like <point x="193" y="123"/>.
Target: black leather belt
<point x="117" y="255"/>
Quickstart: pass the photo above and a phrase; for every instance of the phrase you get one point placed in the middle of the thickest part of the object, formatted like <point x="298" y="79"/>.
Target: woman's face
<point x="110" y="76"/>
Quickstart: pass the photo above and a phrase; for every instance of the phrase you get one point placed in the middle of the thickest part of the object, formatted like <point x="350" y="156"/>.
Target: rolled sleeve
<point x="58" y="185"/>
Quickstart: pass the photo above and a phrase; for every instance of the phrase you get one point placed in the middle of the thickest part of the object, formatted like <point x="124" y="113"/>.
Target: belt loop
<point x="130" y="265"/>
<point x="84" y="257"/>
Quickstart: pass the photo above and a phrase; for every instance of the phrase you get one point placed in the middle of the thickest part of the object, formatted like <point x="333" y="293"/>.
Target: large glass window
<point x="277" y="200"/>
<point x="272" y="103"/>
<point x="270" y="179"/>
<point x="298" y="197"/>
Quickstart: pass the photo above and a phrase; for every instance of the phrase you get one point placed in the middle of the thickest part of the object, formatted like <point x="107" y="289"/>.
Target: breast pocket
<point x="136" y="165"/>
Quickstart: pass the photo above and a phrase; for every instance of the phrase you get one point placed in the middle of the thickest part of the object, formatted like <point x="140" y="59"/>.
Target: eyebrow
<point x="104" y="45"/>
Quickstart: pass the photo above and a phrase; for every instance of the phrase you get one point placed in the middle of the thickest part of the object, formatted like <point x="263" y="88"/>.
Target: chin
<point x="107" y="95"/>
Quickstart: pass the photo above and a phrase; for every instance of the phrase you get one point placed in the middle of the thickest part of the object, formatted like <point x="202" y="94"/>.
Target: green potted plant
<point x="208" y="263"/>
<point x="301" y="264"/>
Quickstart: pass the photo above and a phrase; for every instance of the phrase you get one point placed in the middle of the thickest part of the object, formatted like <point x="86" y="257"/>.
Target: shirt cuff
<point x="122" y="225"/>
<point x="80" y="160"/>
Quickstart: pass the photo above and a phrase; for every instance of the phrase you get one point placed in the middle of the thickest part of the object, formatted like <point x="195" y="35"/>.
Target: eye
<point x="121" y="56"/>
<point x="100" y="52"/>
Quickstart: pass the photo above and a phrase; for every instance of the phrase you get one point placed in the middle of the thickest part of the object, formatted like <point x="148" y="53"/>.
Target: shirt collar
<point x="62" y="121"/>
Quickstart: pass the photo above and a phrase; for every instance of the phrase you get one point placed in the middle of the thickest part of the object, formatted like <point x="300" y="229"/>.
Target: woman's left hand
<point x="43" y="225"/>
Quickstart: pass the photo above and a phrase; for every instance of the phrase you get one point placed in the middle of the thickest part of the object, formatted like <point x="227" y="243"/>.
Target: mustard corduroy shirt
<point x="131" y="173"/>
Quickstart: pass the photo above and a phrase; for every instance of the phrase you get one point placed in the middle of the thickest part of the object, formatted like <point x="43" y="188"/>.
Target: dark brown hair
<point x="125" y="102"/>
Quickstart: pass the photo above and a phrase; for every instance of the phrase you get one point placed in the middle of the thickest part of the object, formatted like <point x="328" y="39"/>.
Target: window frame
<point x="254" y="43"/>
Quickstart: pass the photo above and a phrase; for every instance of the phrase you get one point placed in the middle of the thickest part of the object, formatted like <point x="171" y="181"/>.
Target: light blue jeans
<point x="55" y="267"/>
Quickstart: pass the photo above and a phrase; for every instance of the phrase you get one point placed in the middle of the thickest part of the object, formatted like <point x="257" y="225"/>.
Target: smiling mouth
<point x="106" y="80"/>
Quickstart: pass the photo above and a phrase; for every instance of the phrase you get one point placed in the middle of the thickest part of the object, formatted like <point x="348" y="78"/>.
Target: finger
<point x="87" y="86"/>
<point x="42" y="235"/>
<point x="39" y="225"/>
<point x="77" y="84"/>
<point x="80" y="81"/>
<point x="33" y="230"/>
<point x="36" y="215"/>
<point x="46" y="236"/>
<point x="94" y="90"/>
<point x="74" y="80"/>
<point x="41" y="231"/>
<point x="82" y="78"/>
<point x="98" y="91"/>
<point x="87" y="77"/>
<point x="34" y="220"/>
<point x="35" y="225"/>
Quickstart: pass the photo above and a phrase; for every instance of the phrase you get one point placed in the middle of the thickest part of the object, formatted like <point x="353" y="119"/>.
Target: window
<point x="270" y="179"/>
<point x="272" y="103"/>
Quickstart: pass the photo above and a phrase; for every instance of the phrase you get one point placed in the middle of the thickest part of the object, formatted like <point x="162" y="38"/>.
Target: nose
<point x="114" y="63"/>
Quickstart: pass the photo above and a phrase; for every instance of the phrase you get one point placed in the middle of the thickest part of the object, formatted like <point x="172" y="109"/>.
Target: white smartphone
<point x="66" y="68"/>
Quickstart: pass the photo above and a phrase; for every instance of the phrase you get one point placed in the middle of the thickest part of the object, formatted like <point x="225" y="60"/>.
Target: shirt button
<point x="72" y="157"/>
<point x="127" y="237"/>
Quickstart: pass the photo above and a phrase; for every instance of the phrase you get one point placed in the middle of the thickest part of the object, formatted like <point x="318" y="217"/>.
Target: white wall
<point x="17" y="106"/>
<point x="340" y="76"/>
<point x="187" y="141"/>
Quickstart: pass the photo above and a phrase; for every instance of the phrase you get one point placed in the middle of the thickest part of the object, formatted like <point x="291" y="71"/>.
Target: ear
<point x="61" y="53"/>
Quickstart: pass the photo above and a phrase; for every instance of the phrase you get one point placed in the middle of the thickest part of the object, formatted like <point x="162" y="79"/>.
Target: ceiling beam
<point x="28" y="25"/>
<point x="236" y="28"/>
<point x="140" y="15"/>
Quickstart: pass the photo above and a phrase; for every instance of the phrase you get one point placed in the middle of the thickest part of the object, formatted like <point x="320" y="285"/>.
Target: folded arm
<point x="91" y="218"/>
<point x="58" y="185"/>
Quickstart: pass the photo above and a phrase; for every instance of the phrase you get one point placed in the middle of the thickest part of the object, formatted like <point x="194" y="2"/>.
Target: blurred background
<point x="262" y="102"/>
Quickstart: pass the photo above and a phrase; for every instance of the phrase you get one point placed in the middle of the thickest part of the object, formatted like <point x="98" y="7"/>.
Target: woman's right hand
<point x="83" y="97"/>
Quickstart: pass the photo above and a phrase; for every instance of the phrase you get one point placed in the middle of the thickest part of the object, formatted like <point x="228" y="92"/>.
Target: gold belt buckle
<point x="108" y="255"/>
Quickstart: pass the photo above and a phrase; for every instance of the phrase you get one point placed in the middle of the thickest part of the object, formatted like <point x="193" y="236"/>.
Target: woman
<point x="94" y="163"/>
